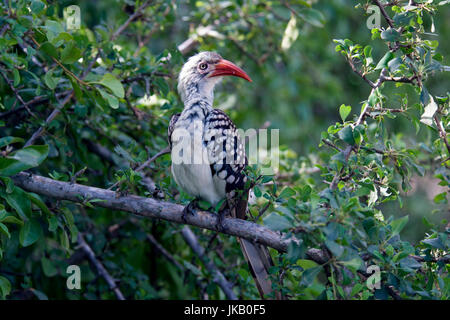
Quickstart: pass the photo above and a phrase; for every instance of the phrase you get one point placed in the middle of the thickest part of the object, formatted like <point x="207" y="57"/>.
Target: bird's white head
<point x="202" y="72"/>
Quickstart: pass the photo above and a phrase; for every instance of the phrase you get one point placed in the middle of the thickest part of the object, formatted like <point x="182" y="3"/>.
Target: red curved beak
<point x="227" y="68"/>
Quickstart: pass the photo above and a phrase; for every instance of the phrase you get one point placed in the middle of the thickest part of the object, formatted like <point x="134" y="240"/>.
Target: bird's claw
<point x="222" y="214"/>
<point x="190" y="209"/>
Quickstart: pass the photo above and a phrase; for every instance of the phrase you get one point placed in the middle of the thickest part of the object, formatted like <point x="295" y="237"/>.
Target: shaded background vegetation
<point x="300" y="90"/>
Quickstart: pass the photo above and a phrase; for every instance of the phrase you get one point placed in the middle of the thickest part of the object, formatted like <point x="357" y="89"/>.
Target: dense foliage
<point x="364" y="158"/>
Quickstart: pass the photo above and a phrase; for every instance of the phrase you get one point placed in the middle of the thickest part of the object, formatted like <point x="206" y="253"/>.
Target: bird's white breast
<point x="198" y="181"/>
<point x="190" y="168"/>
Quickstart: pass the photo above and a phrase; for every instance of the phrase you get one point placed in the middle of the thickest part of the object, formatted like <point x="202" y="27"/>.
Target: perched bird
<point x="208" y="157"/>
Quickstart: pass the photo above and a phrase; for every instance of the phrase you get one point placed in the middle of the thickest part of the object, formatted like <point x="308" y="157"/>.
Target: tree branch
<point x="442" y="132"/>
<point x="384" y="13"/>
<point x="100" y="268"/>
<point x="49" y="119"/>
<point x="149" y="208"/>
<point x="218" y="277"/>
<point x="134" y="16"/>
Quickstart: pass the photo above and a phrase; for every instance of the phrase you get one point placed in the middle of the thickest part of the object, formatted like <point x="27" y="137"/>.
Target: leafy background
<point x="124" y="92"/>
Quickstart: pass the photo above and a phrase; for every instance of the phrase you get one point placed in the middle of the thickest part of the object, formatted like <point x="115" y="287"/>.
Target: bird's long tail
<point x="257" y="256"/>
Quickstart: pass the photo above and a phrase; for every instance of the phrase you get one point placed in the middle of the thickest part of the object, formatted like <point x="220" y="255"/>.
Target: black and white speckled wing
<point x="226" y="152"/>
<point x="171" y="127"/>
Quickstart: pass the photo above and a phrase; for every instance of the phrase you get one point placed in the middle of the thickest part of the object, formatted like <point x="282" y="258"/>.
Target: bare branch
<point x="49" y="119"/>
<point x="163" y="251"/>
<point x="16" y="92"/>
<point x="442" y="132"/>
<point x="384" y="13"/>
<point x="150" y="208"/>
<point x="100" y="268"/>
<point x="331" y="144"/>
<point x="145" y="164"/>
<point x="139" y="12"/>
<point x="218" y="277"/>
<point x="358" y="72"/>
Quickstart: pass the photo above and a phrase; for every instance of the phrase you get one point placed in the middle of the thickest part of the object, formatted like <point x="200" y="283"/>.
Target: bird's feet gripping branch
<point x="190" y="210"/>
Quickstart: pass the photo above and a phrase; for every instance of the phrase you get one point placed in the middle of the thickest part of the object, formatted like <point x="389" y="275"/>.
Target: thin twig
<point x="262" y="211"/>
<point x="331" y="144"/>
<point x="16" y="93"/>
<point x="166" y="254"/>
<point x="134" y="16"/>
<point x="100" y="268"/>
<point x="145" y="164"/>
<point x="384" y="13"/>
<point x="442" y="132"/>
<point x="49" y="119"/>
<point x="218" y="277"/>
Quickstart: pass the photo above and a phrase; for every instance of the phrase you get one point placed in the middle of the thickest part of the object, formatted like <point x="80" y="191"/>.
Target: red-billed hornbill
<point x="208" y="134"/>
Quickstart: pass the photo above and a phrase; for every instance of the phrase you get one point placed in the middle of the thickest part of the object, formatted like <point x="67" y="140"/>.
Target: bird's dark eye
<point x="203" y="66"/>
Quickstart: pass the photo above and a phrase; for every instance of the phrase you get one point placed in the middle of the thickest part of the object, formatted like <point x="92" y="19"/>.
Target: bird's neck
<point x="196" y="92"/>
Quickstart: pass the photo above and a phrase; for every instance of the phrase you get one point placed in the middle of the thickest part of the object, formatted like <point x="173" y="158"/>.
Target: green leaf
<point x="336" y="249"/>
<point x="307" y="264"/>
<point x="313" y="17"/>
<point x="277" y="222"/>
<point x="353" y="264"/>
<point x="344" y="111"/>
<point x="373" y="98"/>
<point x="309" y="275"/>
<point x="10" y="167"/>
<point x="287" y="193"/>
<point x="346" y="134"/>
<point x="50" y="81"/>
<point x="48" y="267"/>
<point x="6" y="217"/>
<point x="53" y="28"/>
<point x="32" y="155"/>
<point x="9" y="140"/>
<point x="356" y="289"/>
<point x="441" y="198"/>
<point x="112" y="100"/>
<point x="257" y="191"/>
<point x="390" y="35"/>
<point x="383" y="63"/>
<point x="409" y="264"/>
<point x="162" y="85"/>
<point x="37" y="6"/>
<point x="19" y="201"/>
<point x="70" y="222"/>
<point x="113" y="84"/>
<point x="295" y="250"/>
<point x="71" y="53"/>
<point x="398" y="225"/>
<point x="368" y="51"/>
<point x="76" y="88"/>
<point x="29" y="233"/>
<point x="36" y="200"/>
<point x="395" y="63"/>
<point x="49" y="49"/>
<point x="52" y="223"/>
<point x="434" y="242"/>
<point x="5" y="287"/>
<point x="4" y="230"/>
<point x="16" y="77"/>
